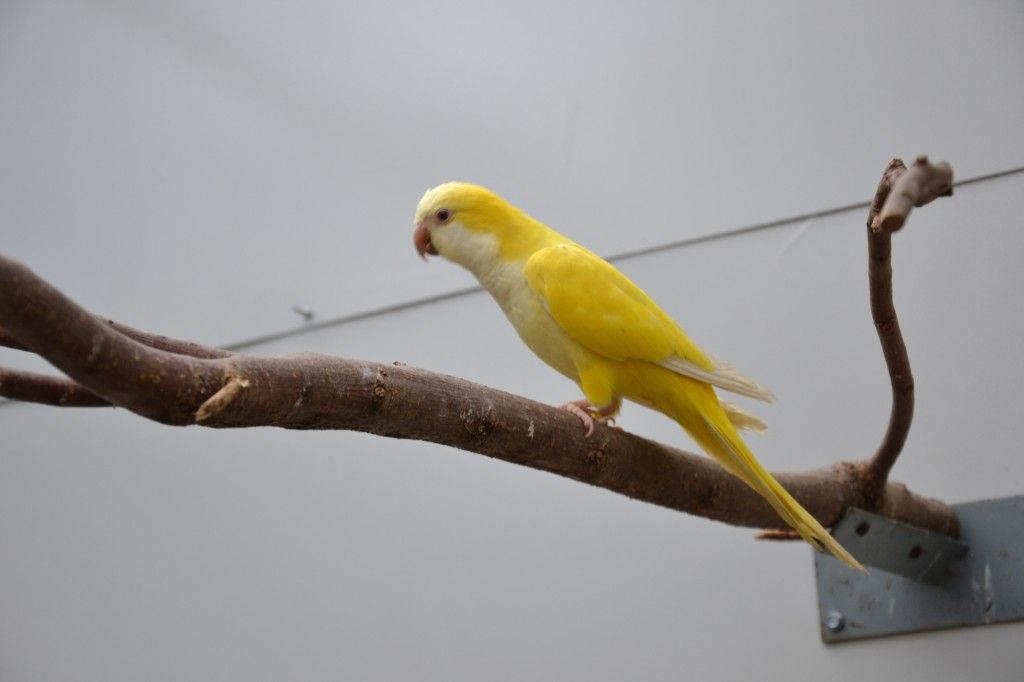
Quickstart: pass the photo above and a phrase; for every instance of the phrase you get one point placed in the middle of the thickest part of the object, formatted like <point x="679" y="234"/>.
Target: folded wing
<point x="601" y="309"/>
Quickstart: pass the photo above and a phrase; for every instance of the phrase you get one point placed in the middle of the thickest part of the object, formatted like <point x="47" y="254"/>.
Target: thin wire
<point x="622" y="256"/>
<point x="618" y="257"/>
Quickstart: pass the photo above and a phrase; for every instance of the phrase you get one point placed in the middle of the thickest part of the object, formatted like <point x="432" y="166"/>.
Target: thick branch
<point x="61" y="392"/>
<point x="899" y="190"/>
<point x="320" y="392"/>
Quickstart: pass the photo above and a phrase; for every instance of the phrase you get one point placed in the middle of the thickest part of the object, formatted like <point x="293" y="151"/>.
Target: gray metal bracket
<point x="917" y="580"/>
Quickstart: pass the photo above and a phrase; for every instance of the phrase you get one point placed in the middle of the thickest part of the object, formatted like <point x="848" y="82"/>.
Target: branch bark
<point x="48" y="390"/>
<point x="8" y="341"/>
<point x="898" y="192"/>
<point x="157" y="341"/>
<point x="181" y="383"/>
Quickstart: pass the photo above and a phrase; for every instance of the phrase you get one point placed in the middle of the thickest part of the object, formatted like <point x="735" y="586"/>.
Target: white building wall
<point x="198" y="170"/>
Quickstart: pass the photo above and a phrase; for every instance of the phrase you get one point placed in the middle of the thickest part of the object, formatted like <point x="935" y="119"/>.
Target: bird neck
<point x="488" y="249"/>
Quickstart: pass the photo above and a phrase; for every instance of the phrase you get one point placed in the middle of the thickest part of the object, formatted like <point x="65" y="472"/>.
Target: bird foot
<point x="589" y="414"/>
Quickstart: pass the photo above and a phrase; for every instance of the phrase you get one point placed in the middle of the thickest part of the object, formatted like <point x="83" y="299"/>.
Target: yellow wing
<point x="601" y="309"/>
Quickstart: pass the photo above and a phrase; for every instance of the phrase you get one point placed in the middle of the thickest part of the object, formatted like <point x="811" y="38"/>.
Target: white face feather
<point x="478" y="252"/>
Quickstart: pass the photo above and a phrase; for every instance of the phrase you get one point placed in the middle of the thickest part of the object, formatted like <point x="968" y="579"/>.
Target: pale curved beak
<point x="421" y="239"/>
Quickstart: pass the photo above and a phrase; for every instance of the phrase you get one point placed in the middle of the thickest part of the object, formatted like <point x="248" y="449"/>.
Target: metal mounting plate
<point x="920" y="581"/>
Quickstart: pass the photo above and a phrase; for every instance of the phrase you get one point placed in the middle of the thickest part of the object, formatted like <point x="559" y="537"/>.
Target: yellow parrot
<point x="591" y="323"/>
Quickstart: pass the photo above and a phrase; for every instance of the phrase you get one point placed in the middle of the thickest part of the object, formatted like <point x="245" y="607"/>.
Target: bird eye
<point x="443" y="214"/>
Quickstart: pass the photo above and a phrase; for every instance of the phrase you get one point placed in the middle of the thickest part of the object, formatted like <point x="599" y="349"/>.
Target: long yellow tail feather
<point x="697" y="410"/>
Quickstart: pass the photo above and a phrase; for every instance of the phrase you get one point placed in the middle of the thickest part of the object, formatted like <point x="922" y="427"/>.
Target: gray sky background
<point x="198" y="169"/>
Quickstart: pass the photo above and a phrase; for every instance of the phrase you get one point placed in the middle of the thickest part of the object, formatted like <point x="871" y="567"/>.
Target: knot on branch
<point x="707" y="496"/>
<point x="594" y="457"/>
<point x="479" y="425"/>
<point x="379" y="391"/>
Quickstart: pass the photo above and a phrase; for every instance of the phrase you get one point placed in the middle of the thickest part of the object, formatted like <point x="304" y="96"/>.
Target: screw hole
<point x="915" y="552"/>
<point x="863" y="527"/>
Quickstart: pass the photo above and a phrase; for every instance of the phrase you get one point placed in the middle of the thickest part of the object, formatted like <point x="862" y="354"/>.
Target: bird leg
<point x="588" y="413"/>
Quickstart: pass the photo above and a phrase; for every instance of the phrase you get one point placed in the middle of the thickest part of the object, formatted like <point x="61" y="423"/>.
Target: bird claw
<point x="584" y="415"/>
<point x="589" y="414"/>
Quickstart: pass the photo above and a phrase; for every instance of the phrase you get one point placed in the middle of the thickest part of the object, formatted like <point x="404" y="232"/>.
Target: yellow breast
<point x="480" y="253"/>
<point x="525" y="310"/>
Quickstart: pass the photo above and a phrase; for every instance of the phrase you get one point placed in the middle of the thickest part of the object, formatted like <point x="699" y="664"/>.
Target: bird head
<point x="448" y="211"/>
<point x="472" y="226"/>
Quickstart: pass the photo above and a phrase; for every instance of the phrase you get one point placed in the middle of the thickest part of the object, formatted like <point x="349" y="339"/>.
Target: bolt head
<point x="835" y="621"/>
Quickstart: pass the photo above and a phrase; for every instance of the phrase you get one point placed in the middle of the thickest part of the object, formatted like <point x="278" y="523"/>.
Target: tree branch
<point x="166" y="343"/>
<point x="180" y="383"/>
<point x="898" y="192"/>
<point x="8" y="341"/>
<point x="40" y="388"/>
<point x="921" y="184"/>
<point x="176" y="346"/>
